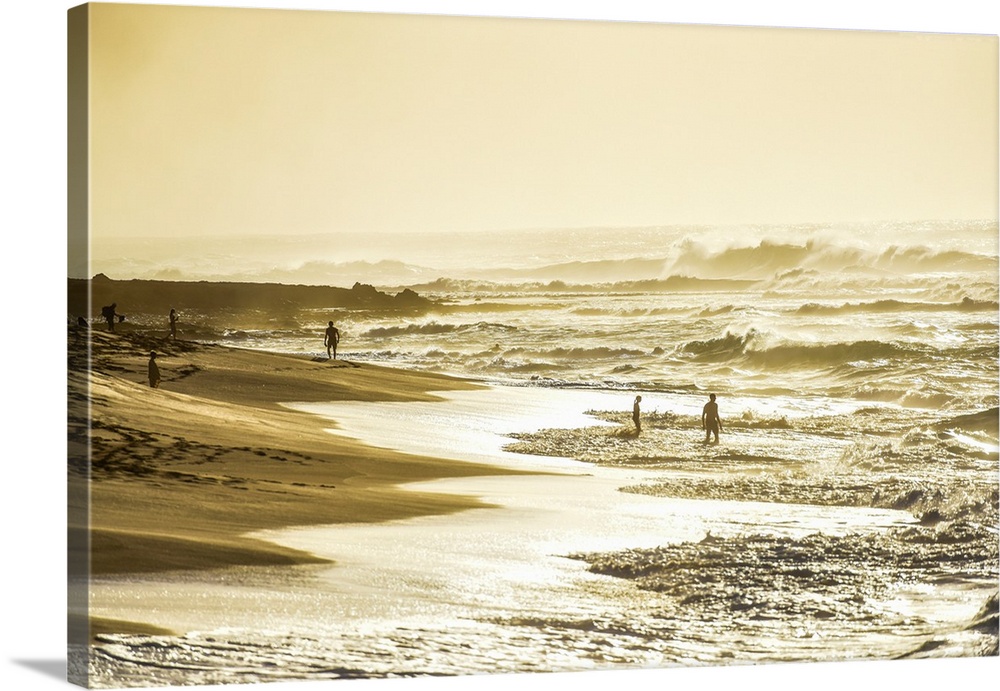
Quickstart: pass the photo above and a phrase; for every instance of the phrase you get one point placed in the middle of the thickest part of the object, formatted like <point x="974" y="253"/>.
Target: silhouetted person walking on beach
<point x="154" y="371"/>
<point x="635" y="415"/>
<point x="710" y="420"/>
<point x="331" y="340"/>
<point x="108" y="314"/>
<point x="173" y="324"/>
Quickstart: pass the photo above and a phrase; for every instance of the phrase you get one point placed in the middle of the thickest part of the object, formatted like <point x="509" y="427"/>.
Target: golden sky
<point x="219" y="121"/>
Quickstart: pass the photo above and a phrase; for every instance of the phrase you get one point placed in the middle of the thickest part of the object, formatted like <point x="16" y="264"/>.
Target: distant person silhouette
<point x="81" y="326"/>
<point x="173" y="324"/>
<point x="635" y="415"/>
<point x="154" y="371"/>
<point x="710" y="420"/>
<point x="331" y="340"/>
<point x="108" y="314"/>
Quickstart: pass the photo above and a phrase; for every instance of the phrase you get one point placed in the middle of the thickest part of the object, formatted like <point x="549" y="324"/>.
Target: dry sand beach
<point x="181" y="473"/>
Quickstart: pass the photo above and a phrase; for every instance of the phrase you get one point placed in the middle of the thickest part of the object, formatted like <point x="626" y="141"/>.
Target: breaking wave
<point x="435" y="328"/>
<point x="881" y="306"/>
<point x="753" y="347"/>
<point x="771" y="258"/>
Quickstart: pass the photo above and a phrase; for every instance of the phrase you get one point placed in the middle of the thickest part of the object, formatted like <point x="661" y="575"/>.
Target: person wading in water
<point x="710" y="420"/>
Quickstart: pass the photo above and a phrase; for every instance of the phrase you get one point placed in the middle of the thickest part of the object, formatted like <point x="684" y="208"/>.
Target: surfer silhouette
<point x="710" y="420"/>
<point x="154" y="371"/>
<point x="331" y="340"/>
<point x="635" y="415"/>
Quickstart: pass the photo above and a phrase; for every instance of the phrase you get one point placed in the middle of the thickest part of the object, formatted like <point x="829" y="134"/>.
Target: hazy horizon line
<point x="558" y="229"/>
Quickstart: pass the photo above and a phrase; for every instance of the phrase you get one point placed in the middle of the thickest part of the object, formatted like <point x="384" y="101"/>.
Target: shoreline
<point x="237" y="455"/>
<point x="524" y="578"/>
<point x="182" y="474"/>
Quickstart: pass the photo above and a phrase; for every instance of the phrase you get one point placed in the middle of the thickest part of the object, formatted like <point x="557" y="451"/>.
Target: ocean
<point x="849" y="510"/>
<point x="894" y="313"/>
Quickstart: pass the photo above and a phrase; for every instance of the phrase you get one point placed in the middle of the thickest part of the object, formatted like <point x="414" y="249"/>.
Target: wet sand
<point x="181" y="474"/>
<point x="488" y="590"/>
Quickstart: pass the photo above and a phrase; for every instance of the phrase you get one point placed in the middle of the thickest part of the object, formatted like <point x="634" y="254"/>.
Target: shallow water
<point x="540" y="584"/>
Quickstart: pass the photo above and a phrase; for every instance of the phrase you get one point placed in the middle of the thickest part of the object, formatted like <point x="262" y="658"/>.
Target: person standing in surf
<point x="710" y="420"/>
<point x="108" y="313"/>
<point x="635" y="415"/>
<point x="331" y="340"/>
<point x="173" y="324"/>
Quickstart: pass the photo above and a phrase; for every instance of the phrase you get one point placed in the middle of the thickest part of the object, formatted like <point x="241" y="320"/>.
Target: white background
<point x="32" y="361"/>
